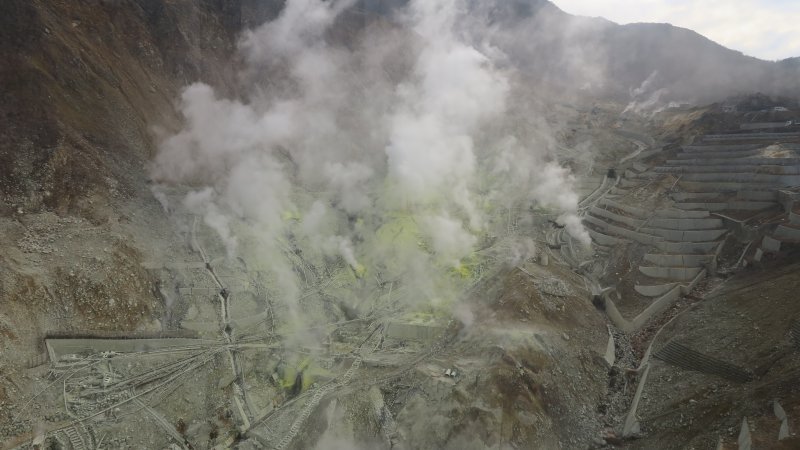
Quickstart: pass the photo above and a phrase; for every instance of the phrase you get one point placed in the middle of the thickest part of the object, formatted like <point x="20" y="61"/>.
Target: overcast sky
<point x="767" y="29"/>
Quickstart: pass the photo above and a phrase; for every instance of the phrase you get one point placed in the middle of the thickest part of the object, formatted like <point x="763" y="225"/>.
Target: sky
<point x="766" y="29"/>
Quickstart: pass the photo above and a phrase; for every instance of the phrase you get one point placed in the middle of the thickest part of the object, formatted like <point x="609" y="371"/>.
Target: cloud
<point x="762" y="28"/>
<point x="328" y="164"/>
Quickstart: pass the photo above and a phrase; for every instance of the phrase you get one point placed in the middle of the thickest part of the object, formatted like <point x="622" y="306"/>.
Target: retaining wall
<point x="787" y="233"/>
<point x="686" y="224"/>
<point x="719" y="155"/>
<point x="785" y="180"/>
<point x="685" y="236"/>
<point x="654" y="290"/>
<point x="766" y="169"/>
<point x="771" y="245"/>
<point x="686" y="196"/>
<point x="686" y="247"/>
<point x="632" y="210"/>
<point x="720" y="147"/>
<point x="604" y="239"/>
<point x="604" y="213"/>
<point x="672" y="213"/>
<point x="671" y="273"/>
<point x="740" y="229"/>
<point x="761" y="196"/>
<point x="748" y="136"/>
<point x="668" y="260"/>
<point x="787" y="199"/>
<point x="623" y="232"/>
<point x="724" y="186"/>
<point x="723" y="206"/>
<point x="734" y="162"/>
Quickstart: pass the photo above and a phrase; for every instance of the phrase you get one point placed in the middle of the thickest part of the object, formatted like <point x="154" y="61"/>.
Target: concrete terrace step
<point x="637" y="213"/>
<point x="604" y="239"/>
<point x="619" y="231"/>
<point x="694" y="197"/>
<point x="720" y="147"/>
<point x="731" y="168"/>
<point x="787" y="233"/>
<point x="718" y="155"/>
<point x="726" y="206"/>
<point x="656" y="290"/>
<point x="673" y="213"/>
<point x="685" y="235"/>
<point x="733" y="161"/>
<point x="671" y="273"/>
<point x="685" y="224"/>
<point x="640" y="176"/>
<point x="728" y="186"/>
<point x="673" y="260"/>
<point x="784" y="180"/>
<point x="686" y="248"/>
<point x="606" y="214"/>
<point x="684" y="357"/>
<point x="750" y="136"/>
<point x="761" y="196"/>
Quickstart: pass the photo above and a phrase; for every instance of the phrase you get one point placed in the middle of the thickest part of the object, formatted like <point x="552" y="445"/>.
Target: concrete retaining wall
<point x="750" y="136"/>
<point x="687" y="288"/>
<point x="685" y="236"/>
<point x="787" y="199"/>
<point x="794" y="218"/>
<point x="686" y="224"/>
<point x="764" y="125"/>
<point x="719" y="155"/>
<point x="720" y="147"/>
<point x="731" y="168"/>
<point x="638" y="213"/>
<point x="726" y="186"/>
<point x="785" y="233"/>
<point x="740" y="229"/>
<point x="701" y="235"/>
<point x="760" y="196"/>
<point x="785" y="180"/>
<point x="667" y="260"/>
<point x="604" y="239"/>
<point x="671" y="273"/>
<point x="771" y="245"/>
<point x="622" y="232"/>
<point x="687" y="247"/>
<point x="689" y="196"/>
<point x="723" y="206"/>
<point x="654" y="290"/>
<point x="733" y="162"/>
<point x="656" y="307"/>
<point x="604" y="213"/>
<point x="672" y="213"/>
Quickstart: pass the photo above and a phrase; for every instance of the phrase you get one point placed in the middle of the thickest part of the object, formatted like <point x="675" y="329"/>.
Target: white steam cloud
<point x="387" y="149"/>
